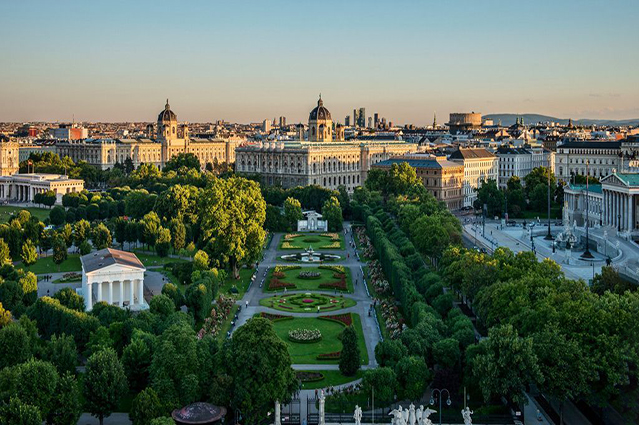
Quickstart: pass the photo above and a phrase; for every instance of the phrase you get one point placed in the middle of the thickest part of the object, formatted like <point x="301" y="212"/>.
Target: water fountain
<point x="310" y="256"/>
<point x="567" y="239"/>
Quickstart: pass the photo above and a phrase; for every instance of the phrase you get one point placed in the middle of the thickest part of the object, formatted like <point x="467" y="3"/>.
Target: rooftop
<point x="107" y="257"/>
<point x="471" y="153"/>
<point x="431" y="162"/>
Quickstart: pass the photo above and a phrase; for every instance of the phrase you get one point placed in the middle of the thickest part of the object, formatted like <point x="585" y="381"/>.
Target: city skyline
<point x="246" y="63"/>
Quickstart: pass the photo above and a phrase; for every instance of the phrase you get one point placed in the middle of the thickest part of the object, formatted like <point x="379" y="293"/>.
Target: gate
<point x="290" y="414"/>
<point x="312" y="411"/>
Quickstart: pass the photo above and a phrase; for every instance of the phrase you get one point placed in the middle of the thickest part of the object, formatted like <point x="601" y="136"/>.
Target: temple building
<point x="24" y="187"/>
<point x="167" y="140"/>
<point x="325" y="158"/>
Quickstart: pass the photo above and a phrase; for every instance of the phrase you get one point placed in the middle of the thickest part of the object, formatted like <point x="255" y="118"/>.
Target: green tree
<point x="165" y="420"/>
<point x="610" y="280"/>
<point x="66" y="232"/>
<point x="104" y="383"/>
<point x="446" y="352"/>
<point x="350" y="361"/>
<point x="70" y="299"/>
<point x="29" y="286"/>
<point x="29" y="255"/>
<point x="85" y="248"/>
<point x="15" y="345"/>
<point x="162" y="305"/>
<point x="504" y="364"/>
<point x="292" y="212"/>
<point x="201" y="260"/>
<point x="174" y="293"/>
<point x="136" y="359"/>
<point x="62" y="353"/>
<point x="145" y="407"/>
<point x="5" y="317"/>
<point x="389" y="352"/>
<point x="66" y="406"/>
<point x="57" y="215"/>
<point x="18" y="413"/>
<point x="332" y="212"/>
<point x="163" y="242"/>
<point x="178" y="235"/>
<point x="151" y="228"/>
<point x="232" y="213"/>
<point x="383" y="381"/>
<point x="187" y="160"/>
<point x="489" y="194"/>
<point x="269" y="377"/>
<point x="198" y="300"/>
<point x="5" y="254"/>
<point x="412" y="377"/>
<point x="101" y="236"/>
<point x="37" y="381"/>
<point x="59" y="251"/>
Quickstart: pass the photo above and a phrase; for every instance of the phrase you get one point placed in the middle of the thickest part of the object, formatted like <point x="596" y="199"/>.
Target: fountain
<point x="567" y="238"/>
<point x="310" y="256"/>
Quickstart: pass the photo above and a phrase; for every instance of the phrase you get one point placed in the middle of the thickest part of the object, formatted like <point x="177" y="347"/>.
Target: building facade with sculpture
<point x="324" y="158"/>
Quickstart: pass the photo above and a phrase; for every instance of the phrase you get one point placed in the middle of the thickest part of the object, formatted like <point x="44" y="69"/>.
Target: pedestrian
<point x="246" y="303"/>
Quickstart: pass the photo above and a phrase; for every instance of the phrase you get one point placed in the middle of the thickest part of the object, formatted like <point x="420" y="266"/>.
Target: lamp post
<point x="549" y="235"/>
<point x="587" y="253"/>
<point x="619" y="223"/>
<point x="439" y="393"/>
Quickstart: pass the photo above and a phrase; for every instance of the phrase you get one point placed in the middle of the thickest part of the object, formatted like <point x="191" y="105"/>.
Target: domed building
<point x="167" y="123"/>
<point x="324" y="158"/>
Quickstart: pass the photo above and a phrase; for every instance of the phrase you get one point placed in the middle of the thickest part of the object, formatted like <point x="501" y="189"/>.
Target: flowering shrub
<point x="219" y="313"/>
<point x="282" y="269"/>
<point x="287" y="245"/>
<point x="304" y="335"/>
<point x="366" y="246"/>
<point x="334" y="245"/>
<point x="333" y="236"/>
<point x="309" y="275"/>
<point x="329" y="356"/>
<point x="275" y="317"/>
<point x="72" y="275"/>
<point x="393" y="324"/>
<point x="336" y="269"/>
<point x="340" y="285"/>
<point x="346" y="319"/>
<point x="279" y="275"/>
<point x="291" y="236"/>
<point x="275" y="284"/>
<point x="304" y="376"/>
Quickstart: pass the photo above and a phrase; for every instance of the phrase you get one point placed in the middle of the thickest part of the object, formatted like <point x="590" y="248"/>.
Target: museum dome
<point x="319" y="112"/>
<point x="167" y="114"/>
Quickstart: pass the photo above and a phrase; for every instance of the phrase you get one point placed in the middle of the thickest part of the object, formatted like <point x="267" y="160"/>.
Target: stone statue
<point x="278" y="414"/>
<point x="404" y="415"/>
<point x="322" y="400"/>
<point x="425" y="415"/>
<point x="466" y="412"/>
<point x="358" y="415"/>
<point x="397" y="416"/>
<point x="419" y="413"/>
<point x="411" y="414"/>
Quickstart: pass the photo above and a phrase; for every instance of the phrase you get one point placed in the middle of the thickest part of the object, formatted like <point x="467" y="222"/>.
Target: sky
<point x="246" y="61"/>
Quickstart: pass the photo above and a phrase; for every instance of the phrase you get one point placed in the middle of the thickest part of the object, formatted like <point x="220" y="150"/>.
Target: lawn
<point x="6" y="213"/>
<point x="306" y="353"/>
<point x="292" y="277"/>
<point x="242" y="283"/>
<point x="316" y="241"/>
<point x="555" y="212"/>
<point x="307" y="303"/>
<point x="331" y="378"/>
<point x="46" y="265"/>
<point x="150" y="260"/>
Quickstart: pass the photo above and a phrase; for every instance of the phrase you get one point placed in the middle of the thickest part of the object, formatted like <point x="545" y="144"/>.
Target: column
<point x="629" y="213"/>
<point x="131" y="299"/>
<point x="110" y="292"/>
<point x="141" y="291"/>
<point x="87" y="296"/>
<point x="99" y="291"/>
<point x="121" y="298"/>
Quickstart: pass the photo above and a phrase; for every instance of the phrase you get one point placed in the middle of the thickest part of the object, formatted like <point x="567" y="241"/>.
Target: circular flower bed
<point x="304" y="335"/>
<point x="308" y="300"/>
<point x="309" y="275"/>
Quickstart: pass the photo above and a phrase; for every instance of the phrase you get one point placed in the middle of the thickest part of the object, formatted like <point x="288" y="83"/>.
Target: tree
<point x="85" y="248"/>
<point x="29" y="286"/>
<point x="66" y="406"/>
<point x="489" y="194"/>
<point x="5" y="254"/>
<point x="349" y="362"/>
<point x="174" y="293"/>
<point x="136" y="359"/>
<point x="389" y="352"/>
<point x="145" y="407"/>
<point x="610" y="280"/>
<point x="165" y="420"/>
<point x="15" y="345"/>
<point x="37" y="382"/>
<point x="383" y="381"/>
<point x="412" y="377"/>
<point x="62" y="353"/>
<point x="504" y="364"/>
<point x="57" y="215"/>
<point x="70" y="299"/>
<point x="232" y="213"/>
<point x="446" y="352"/>
<point x="332" y="212"/>
<point x="188" y="160"/>
<point x="5" y="317"/>
<point x="29" y="255"/>
<point x="292" y="212"/>
<point x="259" y="364"/>
<point x="163" y="242"/>
<point x="198" y="300"/>
<point x="201" y="260"/>
<point x="151" y="228"/>
<point x="59" y="251"/>
<point x="104" y="383"/>
<point x="120" y="230"/>
<point x="66" y="232"/>
<point x="18" y="413"/>
<point x="101" y="237"/>
<point x="178" y="235"/>
<point x="162" y="305"/>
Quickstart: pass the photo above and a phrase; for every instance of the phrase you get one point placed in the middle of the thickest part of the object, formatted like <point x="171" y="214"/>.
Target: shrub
<point x="345" y="319"/>
<point x="329" y="356"/>
<point x="304" y="335"/>
<point x="54" y="318"/>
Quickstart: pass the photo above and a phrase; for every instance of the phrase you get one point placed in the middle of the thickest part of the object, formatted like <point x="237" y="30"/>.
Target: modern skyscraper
<point x="347" y="121"/>
<point x="376" y="120"/>
<point x="282" y="122"/>
<point x="355" y="118"/>
<point x="362" y="117"/>
<point x="370" y="122"/>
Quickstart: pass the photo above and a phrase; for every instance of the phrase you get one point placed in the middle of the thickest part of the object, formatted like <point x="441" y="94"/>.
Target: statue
<point x="411" y="414"/>
<point x="425" y="415"/>
<point x="278" y="414"/>
<point x="404" y="415"/>
<point x="322" y="400"/>
<point x="419" y="413"/>
<point x="466" y="412"/>
<point x="358" y="415"/>
<point x="397" y="416"/>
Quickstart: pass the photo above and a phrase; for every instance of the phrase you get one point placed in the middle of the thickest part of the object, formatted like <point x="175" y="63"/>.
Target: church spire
<point x="435" y="119"/>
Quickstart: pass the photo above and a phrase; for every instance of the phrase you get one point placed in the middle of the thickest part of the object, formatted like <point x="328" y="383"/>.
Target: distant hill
<point x="510" y="119"/>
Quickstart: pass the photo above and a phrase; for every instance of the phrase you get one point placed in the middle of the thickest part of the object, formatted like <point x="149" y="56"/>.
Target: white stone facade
<point x="24" y="187"/>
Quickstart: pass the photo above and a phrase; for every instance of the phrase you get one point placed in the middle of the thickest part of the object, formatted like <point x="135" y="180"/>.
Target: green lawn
<point x="242" y="283"/>
<point x="306" y="353"/>
<point x="46" y="265"/>
<point x="294" y="303"/>
<point x="292" y="276"/>
<point x="331" y="378"/>
<point x="154" y="260"/>
<point x="314" y="240"/>
<point x="555" y="212"/>
<point x="6" y="212"/>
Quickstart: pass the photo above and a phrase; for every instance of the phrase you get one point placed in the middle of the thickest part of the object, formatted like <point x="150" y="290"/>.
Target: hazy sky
<point x="246" y="61"/>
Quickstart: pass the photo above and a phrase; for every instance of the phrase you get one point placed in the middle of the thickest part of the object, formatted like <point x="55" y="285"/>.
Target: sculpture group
<point x="412" y="416"/>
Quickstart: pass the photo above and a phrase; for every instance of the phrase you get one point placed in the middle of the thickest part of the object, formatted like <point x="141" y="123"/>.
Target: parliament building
<point x="325" y="159"/>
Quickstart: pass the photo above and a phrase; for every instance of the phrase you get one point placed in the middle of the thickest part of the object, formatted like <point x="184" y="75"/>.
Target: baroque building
<point x="169" y="140"/>
<point x="325" y="159"/>
<point x="479" y="166"/>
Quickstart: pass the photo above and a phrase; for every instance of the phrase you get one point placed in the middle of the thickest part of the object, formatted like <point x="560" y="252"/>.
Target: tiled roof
<point x="591" y="144"/>
<point x="628" y="178"/>
<point x="418" y="163"/>
<point x="108" y="256"/>
<point x="471" y="153"/>
<point x="595" y="188"/>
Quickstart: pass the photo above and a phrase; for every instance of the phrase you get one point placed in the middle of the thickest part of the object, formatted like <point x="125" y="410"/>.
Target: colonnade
<point x="117" y="291"/>
<point x="619" y="210"/>
<point x="19" y="192"/>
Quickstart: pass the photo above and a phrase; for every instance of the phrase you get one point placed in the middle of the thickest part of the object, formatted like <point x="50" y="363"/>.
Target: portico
<point x="113" y="276"/>
<point x="620" y="195"/>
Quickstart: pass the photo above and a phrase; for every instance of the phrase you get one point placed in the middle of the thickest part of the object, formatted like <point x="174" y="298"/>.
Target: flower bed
<point x="334" y="245"/>
<point x="219" y="313"/>
<point x="376" y="275"/>
<point x="333" y="236"/>
<point x="275" y="317"/>
<point x="339" y="285"/>
<point x="275" y="284"/>
<point x="345" y="319"/>
<point x="287" y="245"/>
<point x="336" y="269"/>
<point x="309" y="275"/>
<point x="305" y="376"/>
<point x="291" y="236"/>
<point x="282" y="269"/>
<point x="305" y="336"/>
<point x="329" y="356"/>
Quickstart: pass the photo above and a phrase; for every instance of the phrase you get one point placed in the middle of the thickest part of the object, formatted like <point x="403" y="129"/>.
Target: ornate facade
<point x="170" y="139"/>
<point x="325" y="159"/>
<point x="9" y="158"/>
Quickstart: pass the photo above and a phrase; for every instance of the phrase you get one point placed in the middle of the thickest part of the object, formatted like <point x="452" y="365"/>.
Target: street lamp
<point x="549" y="235"/>
<point x="439" y="393"/>
<point x="619" y="223"/>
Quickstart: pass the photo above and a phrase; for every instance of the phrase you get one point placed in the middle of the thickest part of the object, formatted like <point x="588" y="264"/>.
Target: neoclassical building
<point x="164" y="142"/>
<point x="324" y="159"/>
<point x="479" y="166"/>
<point x="114" y="276"/>
<point x="24" y="187"/>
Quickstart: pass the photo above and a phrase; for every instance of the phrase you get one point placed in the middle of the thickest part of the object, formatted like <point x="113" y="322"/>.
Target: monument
<point x="466" y="412"/>
<point x="312" y="223"/>
<point x="357" y="415"/>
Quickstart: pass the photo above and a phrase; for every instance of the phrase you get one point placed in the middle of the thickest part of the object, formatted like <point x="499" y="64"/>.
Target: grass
<point x="555" y="213"/>
<point x="242" y="283"/>
<point x="331" y="378"/>
<point x="286" y="303"/>
<point x="150" y="260"/>
<point x="314" y="240"/>
<point x="7" y="212"/>
<point x="306" y="353"/>
<point x="46" y="265"/>
<point x="309" y="284"/>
